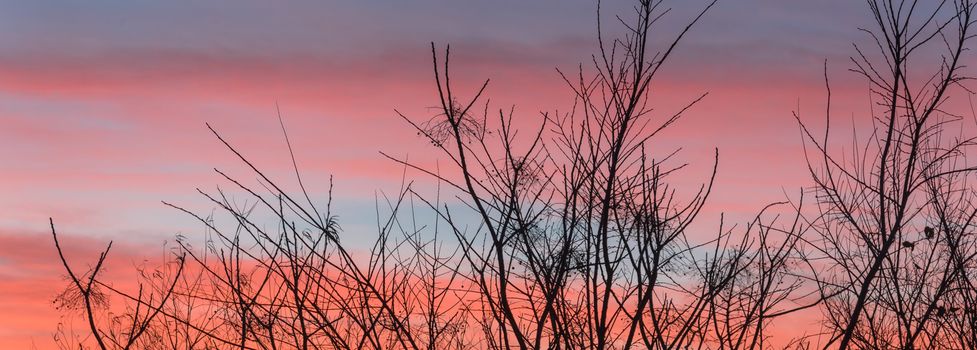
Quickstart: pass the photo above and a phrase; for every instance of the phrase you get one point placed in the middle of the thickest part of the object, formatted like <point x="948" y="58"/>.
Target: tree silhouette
<point x="573" y="235"/>
<point x="895" y="223"/>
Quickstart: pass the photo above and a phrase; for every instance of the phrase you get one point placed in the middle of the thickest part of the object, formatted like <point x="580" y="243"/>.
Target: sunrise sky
<point x="103" y="105"/>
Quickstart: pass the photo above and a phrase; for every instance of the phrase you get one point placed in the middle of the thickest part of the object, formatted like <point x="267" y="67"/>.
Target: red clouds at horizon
<point x="31" y="276"/>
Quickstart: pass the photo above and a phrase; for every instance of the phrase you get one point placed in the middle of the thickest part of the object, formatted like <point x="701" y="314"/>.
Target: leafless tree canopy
<point x="571" y="234"/>
<point x="896" y="213"/>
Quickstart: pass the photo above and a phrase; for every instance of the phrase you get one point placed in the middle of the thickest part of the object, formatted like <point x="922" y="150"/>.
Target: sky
<point x="103" y="106"/>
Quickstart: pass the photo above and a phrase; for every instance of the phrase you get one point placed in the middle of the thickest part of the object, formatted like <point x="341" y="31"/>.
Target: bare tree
<point x="895" y="224"/>
<point x="123" y="330"/>
<point x="581" y="242"/>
